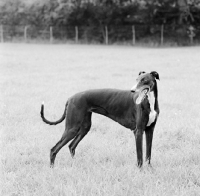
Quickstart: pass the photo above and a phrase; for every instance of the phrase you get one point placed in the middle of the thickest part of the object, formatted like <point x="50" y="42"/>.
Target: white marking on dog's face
<point x="153" y="113"/>
<point x="134" y="87"/>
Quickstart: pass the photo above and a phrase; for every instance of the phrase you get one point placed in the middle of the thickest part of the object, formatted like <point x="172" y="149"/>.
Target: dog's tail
<point x="49" y="122"/>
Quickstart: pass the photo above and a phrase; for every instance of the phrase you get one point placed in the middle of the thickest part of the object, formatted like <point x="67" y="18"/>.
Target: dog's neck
<point x="155" y="91"/>
<point x="153" y="102"/>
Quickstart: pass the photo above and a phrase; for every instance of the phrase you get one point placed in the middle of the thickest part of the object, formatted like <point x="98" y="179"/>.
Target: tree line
<point x="99" y="12"/>
<point x="93" y="13"/>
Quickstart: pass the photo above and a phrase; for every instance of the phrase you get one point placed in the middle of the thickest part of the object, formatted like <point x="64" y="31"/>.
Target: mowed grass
<point x="105" y="160"/>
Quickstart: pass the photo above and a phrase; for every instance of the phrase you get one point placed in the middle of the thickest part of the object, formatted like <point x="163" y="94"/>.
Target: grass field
<point x="105" y="161"/>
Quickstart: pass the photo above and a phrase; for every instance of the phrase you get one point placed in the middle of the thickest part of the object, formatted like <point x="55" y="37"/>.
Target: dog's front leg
<point x="139" y="140"/>
<point x="149" y="137"/>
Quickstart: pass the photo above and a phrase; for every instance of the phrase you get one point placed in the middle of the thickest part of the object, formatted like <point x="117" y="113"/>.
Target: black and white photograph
<point x="100" y="97"/>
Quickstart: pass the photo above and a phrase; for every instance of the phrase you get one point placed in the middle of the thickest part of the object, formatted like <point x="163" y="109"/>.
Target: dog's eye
<point x="145" y="81"/>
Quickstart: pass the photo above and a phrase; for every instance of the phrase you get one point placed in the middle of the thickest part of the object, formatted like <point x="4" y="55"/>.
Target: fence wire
<point x="128" y="34"/>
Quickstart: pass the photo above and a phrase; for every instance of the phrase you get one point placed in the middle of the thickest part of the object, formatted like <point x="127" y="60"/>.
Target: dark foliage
<point x="95" y="15"/>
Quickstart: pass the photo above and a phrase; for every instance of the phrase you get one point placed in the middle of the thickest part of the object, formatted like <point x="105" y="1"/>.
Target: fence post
<point x="51" y="34"/>
<point x="106" y="35"/>
<point x="2" y="39"/>
<point x="162" y="34"/>
<point x="25" y="33"/>
<point x="133" y="32"/>
<point x="191" y="33"/>
<point x="76" y="34"/>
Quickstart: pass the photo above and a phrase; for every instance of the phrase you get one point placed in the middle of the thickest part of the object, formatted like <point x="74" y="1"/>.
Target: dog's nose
<point x="133" y="89"/>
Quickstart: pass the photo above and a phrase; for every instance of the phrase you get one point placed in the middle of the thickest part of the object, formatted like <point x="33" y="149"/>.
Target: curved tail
<point x="49" y="122"/>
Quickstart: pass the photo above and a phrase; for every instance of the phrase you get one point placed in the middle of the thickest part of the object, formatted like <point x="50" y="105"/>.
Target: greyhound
<point x="136" y="109"/>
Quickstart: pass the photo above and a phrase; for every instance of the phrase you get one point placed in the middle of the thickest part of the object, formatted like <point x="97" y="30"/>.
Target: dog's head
<point x="146" y="82"/>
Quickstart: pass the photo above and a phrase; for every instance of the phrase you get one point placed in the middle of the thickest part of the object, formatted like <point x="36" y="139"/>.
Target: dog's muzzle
<point x="133" y="89"/>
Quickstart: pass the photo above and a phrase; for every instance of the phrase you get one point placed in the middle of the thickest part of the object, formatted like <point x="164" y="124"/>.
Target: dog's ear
<point x="155" y="74"/>
<point x="141" y="72"/>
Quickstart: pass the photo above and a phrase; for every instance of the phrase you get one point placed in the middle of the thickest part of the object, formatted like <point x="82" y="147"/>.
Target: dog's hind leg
<point x="85" y="127"/>
<point x="67" y="136"/>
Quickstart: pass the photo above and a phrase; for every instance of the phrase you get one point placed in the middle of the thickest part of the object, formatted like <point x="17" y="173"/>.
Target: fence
<point x="128" y="34"/>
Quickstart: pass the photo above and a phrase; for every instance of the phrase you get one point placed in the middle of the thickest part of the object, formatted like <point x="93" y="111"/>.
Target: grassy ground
<point x="105" y="161"/>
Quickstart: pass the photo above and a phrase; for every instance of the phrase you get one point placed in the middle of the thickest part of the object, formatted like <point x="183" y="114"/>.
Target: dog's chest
<point x="153" y="113"/>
